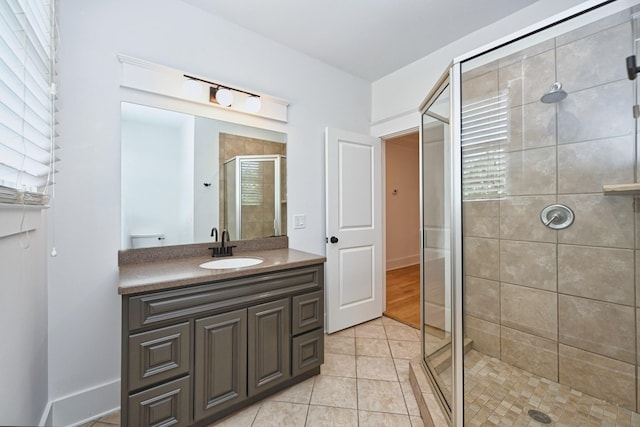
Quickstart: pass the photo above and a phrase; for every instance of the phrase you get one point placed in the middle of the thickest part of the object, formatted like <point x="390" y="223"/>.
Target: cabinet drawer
<point x="165" y="405"/>
<point x="149" y="309"/>
<point x="307" y="312"/>
<point x="307" y="351"/>
<point x="158" y="355"/>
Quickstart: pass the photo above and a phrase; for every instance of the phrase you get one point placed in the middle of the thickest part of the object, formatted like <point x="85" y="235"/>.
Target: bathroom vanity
<point x="199" y="344"/>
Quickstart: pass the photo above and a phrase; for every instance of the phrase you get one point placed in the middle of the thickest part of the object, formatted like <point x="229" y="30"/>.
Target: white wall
<point x="23" y="322"/>
<point x="402" y="199"/>
<point x="84" y="308"/>
<point x="397" y="96"/>
<point x="157" y="197"/>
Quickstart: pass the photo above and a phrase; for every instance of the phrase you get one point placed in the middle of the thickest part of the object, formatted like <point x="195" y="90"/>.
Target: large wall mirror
<point x="182" y="175"/>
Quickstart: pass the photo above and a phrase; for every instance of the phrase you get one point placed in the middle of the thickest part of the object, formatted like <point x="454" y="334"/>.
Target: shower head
<point x="554" y="94"/>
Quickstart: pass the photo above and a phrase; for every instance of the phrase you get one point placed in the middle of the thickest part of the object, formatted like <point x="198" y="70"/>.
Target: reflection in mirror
<point x="174" y="185"/>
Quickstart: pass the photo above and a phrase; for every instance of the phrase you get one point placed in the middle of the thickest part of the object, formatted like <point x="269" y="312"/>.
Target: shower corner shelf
<point x="632" y="189"/>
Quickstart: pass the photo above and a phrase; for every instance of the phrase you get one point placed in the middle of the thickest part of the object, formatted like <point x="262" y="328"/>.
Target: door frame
<point x="383" y="140"/>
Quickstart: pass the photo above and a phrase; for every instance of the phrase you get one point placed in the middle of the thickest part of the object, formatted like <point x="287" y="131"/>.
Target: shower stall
<point x="254" y="196"/>
<point x="530" y="290"/>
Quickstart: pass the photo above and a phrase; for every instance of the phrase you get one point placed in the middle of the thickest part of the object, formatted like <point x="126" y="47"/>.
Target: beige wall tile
<point x="485" y="335"/>
<point x="598" y="112"/>
<point x="531" y="172"/>
<point x="527" y="52"/>
<point x="600" y="273"/>
<point x="576" y="66"/>
<point x="529" y="78"/>
<point x="637" y="277"/>
<point x="529" y="310"/>
<point x="481" y="218"/>
<point x="520" y="219"/>
<point x="599" y="327"/>
<point x="481" y="258"/>
<point x="583" y="167"/>
<point x="638" y="338"/>
<point x="528" y="264"/>
<point x="598" y="376"/>
<point x="480" y="87"/>
<point x="599" y="221"/>
<point x="589" y="29"/>
<point x="529" y="352"/>
<point x="482" y="298"/>
<point x="531" y="126"/>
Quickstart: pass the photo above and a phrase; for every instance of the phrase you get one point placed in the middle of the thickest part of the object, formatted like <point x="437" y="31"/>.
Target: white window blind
<point x="27" y="96"/>
<point x="484" y="130"/>
<point x="252" y="183"/>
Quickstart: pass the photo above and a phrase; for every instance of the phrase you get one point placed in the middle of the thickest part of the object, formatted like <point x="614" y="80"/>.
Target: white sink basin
<point x="233" y="262"/>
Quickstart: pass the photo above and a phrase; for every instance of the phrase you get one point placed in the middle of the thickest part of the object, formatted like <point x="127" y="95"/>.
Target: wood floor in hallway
<point x="403" y="295"/>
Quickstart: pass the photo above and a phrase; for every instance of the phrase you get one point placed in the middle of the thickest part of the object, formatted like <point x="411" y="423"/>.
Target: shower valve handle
<point x="552" y="218"/>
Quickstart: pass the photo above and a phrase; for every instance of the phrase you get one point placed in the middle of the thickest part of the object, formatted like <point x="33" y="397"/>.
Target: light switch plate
<point x="299" y="221"/>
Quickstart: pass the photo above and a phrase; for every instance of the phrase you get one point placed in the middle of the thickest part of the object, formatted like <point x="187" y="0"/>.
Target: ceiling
<point x="366" y="38"/>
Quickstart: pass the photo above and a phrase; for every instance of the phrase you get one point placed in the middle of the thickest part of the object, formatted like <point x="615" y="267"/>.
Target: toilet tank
<point x="147" y="240"/>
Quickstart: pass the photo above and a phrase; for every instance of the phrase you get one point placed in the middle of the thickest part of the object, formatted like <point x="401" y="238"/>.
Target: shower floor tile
<point x="497" y="393"/>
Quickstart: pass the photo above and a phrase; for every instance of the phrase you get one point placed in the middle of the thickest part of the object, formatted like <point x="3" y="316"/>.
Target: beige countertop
<point x="175" y="273"/>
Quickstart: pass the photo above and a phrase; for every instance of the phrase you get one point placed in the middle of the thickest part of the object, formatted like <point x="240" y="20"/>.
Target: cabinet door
<point x="220" y="362"/>
<point x="269" y="345"/>
<point x="165" y="405"/>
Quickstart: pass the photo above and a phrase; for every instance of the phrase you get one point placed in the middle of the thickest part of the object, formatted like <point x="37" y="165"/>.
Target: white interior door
<point x="353" y="168"/>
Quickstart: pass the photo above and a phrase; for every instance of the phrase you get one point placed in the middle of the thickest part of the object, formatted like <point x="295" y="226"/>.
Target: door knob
<point x="333" y="239"/>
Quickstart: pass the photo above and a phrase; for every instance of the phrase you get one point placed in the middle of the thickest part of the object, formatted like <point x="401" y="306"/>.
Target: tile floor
<point x="497" y="393"/>
<point x="363" y="382"/>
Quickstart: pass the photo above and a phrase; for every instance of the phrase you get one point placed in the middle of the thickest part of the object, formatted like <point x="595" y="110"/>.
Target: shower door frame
<point x="453" y="75"/>
<point x="455" y="409"/>
<point x="277" y="162"/>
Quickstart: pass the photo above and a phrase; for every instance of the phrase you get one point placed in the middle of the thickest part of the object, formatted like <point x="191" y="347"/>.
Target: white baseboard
<point x="78" y="408"/>
<point x="394" y="264"/>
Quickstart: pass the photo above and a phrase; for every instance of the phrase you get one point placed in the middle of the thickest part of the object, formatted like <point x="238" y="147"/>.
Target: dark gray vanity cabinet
<point x="196" y="354"/>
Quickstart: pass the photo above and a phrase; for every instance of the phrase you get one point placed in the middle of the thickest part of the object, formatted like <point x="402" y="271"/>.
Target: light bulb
<point x="253" y="104"/>
<point x="192" y="89"/>
<point x="224" y="96"/>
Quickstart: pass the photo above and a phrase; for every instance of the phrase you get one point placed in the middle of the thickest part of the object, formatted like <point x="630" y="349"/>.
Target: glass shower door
<point x="436" y="256"/>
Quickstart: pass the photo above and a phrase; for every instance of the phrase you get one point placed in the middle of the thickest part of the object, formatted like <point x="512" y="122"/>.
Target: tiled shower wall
<point x="257" y="221"/>
<point x="561" y="304"/>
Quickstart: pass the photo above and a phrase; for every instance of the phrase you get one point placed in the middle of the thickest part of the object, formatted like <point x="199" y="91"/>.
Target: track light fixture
<point x="224" y="95"/>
